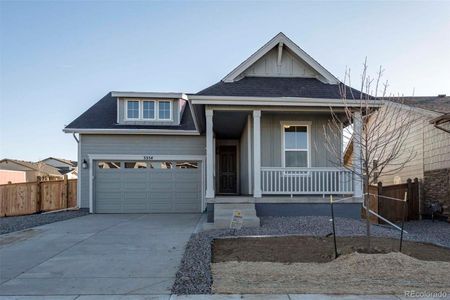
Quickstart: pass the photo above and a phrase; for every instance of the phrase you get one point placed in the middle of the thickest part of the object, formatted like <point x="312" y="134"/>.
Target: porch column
<point x="357" y="164"/>
<point x="257" y="153"/>
<point x="209" y="154"/>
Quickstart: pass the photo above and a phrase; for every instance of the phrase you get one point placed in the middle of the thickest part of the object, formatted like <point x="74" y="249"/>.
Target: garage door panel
<point x="148" y="190"/>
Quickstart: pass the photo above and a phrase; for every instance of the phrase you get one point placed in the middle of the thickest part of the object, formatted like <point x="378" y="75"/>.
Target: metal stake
<point x="334" y="228"/>
<point x="403" y="222"/>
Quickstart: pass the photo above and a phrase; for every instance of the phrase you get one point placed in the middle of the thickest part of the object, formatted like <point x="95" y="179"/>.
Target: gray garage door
<point x="147" y="187"/>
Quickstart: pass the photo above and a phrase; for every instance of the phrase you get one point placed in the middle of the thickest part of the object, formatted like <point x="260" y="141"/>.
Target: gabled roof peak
<point x="282" y="41"/>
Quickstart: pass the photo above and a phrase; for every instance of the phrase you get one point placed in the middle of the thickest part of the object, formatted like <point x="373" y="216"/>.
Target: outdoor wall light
<point x="84" y="165"/>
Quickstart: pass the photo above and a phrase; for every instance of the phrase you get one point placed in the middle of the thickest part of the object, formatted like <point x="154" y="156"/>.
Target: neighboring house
<point x="429" y="140"/>
<point x="65" y="166"/>
<point x="254" y="141"/>
<point x="15" y="171"/>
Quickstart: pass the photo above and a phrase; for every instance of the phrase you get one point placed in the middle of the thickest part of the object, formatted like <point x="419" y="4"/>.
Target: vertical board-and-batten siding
<point x="271" y="139"/>
<point x="290" y="66"/>
<point x="134" y="145"/>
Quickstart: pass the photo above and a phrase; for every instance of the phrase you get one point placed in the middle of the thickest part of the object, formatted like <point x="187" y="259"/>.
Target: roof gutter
<point x="130" y="131"/>
<point x="437" y="122"/>
<point x="277" y="101"/>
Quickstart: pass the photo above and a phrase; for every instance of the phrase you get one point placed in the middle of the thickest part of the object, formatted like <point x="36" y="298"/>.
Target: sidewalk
<point x="206" y="297"/>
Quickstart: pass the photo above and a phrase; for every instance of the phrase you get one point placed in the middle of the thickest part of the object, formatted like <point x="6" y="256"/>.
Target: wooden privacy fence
<point x="31" y="197"/>
<point x="393" y="210"/>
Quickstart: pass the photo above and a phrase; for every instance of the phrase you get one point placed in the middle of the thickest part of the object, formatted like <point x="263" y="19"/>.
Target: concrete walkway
<point x="214" y="297"/>
<point x="95" y="255"/>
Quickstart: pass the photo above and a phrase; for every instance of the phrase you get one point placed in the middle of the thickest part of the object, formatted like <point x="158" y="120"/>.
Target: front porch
<point x="272" y="162"/>
<point x="271" y="153"/>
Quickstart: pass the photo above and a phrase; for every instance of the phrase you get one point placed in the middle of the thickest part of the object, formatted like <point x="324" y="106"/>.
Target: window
<point x="186" y="165"/>
<point x="135" y="165"/>
<point x="161" y="165"/>
<point x="164" y="110"/>
<point x="132" y="109"/>
<point x="295" y="145"/>
<point x="109" y="164"/>
<point x="148" y="108"/>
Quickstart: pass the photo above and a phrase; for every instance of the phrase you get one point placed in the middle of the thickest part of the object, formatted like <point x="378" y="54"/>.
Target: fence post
<point x="409" y="199"/>
<point x="38" y="194"/>
<point x="65" y="192"/>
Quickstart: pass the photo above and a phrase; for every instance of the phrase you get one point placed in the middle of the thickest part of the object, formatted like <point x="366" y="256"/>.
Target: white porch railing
<point x="306" y="181"/>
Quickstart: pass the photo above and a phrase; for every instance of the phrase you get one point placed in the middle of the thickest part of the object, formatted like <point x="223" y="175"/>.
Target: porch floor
<point x="282" y="199"/>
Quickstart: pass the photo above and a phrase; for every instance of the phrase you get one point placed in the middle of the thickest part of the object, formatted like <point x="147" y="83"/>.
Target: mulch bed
<point x="194" y="275"/>
<point x="290" y="249"/>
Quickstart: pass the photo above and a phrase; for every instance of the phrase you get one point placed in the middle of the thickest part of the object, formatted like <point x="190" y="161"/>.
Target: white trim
<point x="141" y="110"/>
<point x="257" y="154"/>
<point x="80" y="169"/>
<point x="210" y="153"/>
<point x="281" y="38"/>
<point x="131" y="131"/>
<point x="306" y="124"/>
<point x="126" y="118"/>
<point x="149" y="95"/>
<point x="118" y="110"/>
<point x="154" y="110"/>
<point x="280" y="101"/>
<point x="170" y="111"/>
<point x="249" y="156"/>
<point x="120" y="157"/>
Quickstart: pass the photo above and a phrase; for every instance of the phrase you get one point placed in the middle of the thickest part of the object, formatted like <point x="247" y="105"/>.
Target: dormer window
<point x="149" y="110"/>
<point x="164" y="110"/>
<point x="133" y="110"/>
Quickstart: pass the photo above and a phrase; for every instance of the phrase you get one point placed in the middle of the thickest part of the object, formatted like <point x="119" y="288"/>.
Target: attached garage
<point x="135" y="186"/>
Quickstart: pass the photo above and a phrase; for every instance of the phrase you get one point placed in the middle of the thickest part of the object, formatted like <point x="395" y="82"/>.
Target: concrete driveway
<point x="96" y="255"/>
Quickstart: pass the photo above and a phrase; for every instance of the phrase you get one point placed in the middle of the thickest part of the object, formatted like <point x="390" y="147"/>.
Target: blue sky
<point x="59" y="58"/>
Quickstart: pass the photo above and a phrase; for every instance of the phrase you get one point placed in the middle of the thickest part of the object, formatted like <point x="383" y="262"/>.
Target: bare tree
<point x="385" y="127"/>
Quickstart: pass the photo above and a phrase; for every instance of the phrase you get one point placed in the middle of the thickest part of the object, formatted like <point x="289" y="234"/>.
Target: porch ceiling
<point x="229" y="124"/>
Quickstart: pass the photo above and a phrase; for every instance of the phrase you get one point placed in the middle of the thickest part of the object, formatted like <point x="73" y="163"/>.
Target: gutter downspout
<point x="75" y="137"/>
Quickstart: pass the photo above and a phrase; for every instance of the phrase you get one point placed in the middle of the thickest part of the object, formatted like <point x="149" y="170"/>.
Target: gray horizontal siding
<point x="134" y="145"/>
<point x="271" y="139"/>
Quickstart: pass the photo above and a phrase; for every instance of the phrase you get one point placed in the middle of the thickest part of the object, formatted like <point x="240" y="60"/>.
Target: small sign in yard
<point x="237" y="220"/>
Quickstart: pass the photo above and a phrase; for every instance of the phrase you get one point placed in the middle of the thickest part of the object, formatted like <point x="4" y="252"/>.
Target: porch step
<point x="223" y="214"/>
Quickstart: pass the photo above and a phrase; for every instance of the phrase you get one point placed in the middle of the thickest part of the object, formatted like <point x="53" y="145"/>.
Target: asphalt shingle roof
<point x="432" y="103"/>
<point x="103" y="115"/>
<point x="278" y="87"/>
<point x="38" y="166"/>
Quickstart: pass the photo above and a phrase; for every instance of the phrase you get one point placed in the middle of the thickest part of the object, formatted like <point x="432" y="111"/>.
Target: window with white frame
<point x="132" y="109"/>
<point x="295" y="145"/>
<point x="164" y="110"/>
<point x="148" y="110"/>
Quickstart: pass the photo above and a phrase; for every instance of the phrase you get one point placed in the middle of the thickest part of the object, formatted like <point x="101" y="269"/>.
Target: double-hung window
<point x="296" y="148"/>
<point x="164" y="110"/>
<point x="154" y="110"/>
<point x="133" y="109"/>
<point x="148" y="110"/>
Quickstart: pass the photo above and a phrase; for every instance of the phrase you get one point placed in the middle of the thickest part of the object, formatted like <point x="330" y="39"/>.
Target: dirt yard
<point x="302" y="264"/>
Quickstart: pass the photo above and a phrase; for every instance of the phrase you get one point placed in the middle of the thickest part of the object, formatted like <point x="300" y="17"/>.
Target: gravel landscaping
<point x="11" y="224"/>
<point x="194" y="275"/>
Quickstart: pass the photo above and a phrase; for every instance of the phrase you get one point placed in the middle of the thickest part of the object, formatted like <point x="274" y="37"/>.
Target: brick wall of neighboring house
<point x="436" y="186"/>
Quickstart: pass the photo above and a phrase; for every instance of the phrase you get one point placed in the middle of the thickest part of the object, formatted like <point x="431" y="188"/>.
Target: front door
<point x="227" y="169"/>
